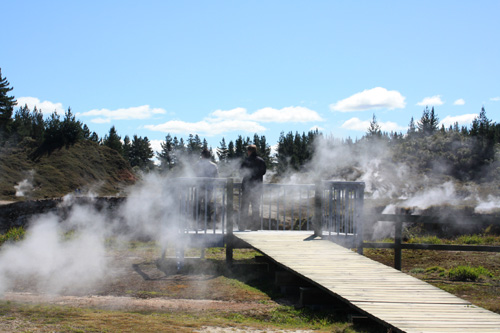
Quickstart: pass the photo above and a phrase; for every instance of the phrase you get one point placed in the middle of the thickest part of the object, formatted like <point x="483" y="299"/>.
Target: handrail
<point x="331" y="208"/>
<point x="398" y="245"/>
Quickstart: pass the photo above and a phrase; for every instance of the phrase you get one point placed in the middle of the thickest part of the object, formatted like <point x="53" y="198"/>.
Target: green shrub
<point x="468" y="273"/>
<point x="417" y="270"/>
<point x="470" y="239"/>
<point x="426" y="240"/>
<point x="437" y="269"/>
<point x="13" y="235"/>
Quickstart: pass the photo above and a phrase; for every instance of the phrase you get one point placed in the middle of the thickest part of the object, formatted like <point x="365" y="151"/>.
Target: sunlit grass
<point x="12" y="235"/>
<point x="68" y="319"/>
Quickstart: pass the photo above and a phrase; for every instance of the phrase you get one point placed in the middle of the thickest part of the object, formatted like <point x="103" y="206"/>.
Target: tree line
<point x="467" y="152"/>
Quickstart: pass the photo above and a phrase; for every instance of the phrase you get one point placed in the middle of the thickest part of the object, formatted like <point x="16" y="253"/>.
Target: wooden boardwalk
<point x="397" y="300"/>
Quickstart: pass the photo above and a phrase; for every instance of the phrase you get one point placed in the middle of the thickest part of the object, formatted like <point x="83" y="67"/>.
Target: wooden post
<point x="397" y="244"/>
<point x="230" y="220"/>
<point x="360" y="216"/>
<point x="317" y="210"/>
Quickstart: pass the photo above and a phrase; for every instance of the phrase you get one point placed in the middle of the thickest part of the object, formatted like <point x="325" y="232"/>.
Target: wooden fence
<point x="398" y="245"/>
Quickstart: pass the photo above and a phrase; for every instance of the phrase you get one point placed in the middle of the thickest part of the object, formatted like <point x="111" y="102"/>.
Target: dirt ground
<point x="139" y="280"/>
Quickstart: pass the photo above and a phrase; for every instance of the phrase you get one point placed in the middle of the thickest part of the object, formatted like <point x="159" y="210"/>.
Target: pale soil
<point x="125" y="303"/>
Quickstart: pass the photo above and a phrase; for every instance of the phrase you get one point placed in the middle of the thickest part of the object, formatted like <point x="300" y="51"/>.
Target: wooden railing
<point x="398" y="245"/>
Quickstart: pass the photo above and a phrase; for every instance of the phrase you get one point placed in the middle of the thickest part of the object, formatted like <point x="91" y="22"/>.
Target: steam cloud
<point x="24" y="187"/>
<point x="70" y="254"/>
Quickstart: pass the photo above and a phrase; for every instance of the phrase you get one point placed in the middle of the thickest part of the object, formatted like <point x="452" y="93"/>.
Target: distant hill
<point x="84" y="167"/>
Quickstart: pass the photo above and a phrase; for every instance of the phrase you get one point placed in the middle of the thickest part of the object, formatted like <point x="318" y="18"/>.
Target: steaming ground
<point x="69" y="256"/>
<point x="88" y="258"/>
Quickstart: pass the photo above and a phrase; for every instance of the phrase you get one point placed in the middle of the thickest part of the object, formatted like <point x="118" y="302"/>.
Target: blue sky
<point x="229" y="68"/>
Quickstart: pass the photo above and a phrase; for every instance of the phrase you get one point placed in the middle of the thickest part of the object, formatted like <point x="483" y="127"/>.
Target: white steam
<point x="51" y="263"/>
<point x="25" y="187"/>
<point x="491" y="205"/>
<point x="69" y="253"/>
<point x="390" y="183"/>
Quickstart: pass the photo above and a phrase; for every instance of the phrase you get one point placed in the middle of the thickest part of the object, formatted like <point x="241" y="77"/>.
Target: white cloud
<point x="137" y="112"/>
<point x="237" y="113"/>
<point x="390" y="126"/>
<point x="46" y="107"/>
<point x="319" y="128"/>
<point x="238" y="119"/>
<point x="291" y="114"/>
<point x="208" y="128"/>
<point x="459" y="101"/>
<point x="465" y="119"/>
<point x="357" y="124"/>
<point x="156" y="145"/>
<point x="376" y="98"/>
<point x="495" y="99"/>
<point x="433" y="101"/>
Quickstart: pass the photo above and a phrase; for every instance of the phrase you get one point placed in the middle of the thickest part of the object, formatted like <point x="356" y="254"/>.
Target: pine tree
<point x="6" y="107"/>
<point x="239" y="147"/>
<point x="411" y="127"/>
<point x="231" y="153"/>
<point x="167" y="154"/>
<point x="264" y="150"/>
<point x="71" y="128"/>
<point x="22" y="123"/>
<point x="222" y="152"/>
<point x="127" y="146"/>
<point x="481" y="125"/>
<point x="428" y="123"/>
<point x="86" y="132"/>
<point x="374" y="130"/>
<point x="113" y="140"/>
<point x="141" y="153"/>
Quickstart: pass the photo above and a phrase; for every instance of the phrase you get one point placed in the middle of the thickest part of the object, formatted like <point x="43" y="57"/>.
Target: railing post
<point x="397" y="244"/>
<point x="360" y="222"/>
<point x="317" y="209"/>
<point x="230" y="220"/>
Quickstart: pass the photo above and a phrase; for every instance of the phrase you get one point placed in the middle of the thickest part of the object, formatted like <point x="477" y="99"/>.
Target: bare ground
<point x="138" y="281"/>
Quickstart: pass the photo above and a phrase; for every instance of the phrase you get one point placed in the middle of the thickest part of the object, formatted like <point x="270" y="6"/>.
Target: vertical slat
<point x="230" y="222"/>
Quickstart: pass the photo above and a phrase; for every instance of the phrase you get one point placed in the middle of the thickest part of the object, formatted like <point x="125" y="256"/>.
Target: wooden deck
<point x="387" y="295"/>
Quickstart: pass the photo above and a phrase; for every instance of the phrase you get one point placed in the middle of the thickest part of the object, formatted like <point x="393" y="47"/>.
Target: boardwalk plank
<point x="381" y="292"/>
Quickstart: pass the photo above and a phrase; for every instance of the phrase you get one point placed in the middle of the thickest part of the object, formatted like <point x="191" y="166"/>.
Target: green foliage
<point x="294" y="151"/>
<point x="468" y="273"/>
<point x="140" y="153"/>
<point x="113" y="140"/>
<point x="471" y="239"/>
<point x="437" y="269"/>
<point x="428" y="123"/>
<point x="12" y="235"/>
<point x="425" y="240"/>
<point x="86" y="166"/>
<point x="6" y="107"/>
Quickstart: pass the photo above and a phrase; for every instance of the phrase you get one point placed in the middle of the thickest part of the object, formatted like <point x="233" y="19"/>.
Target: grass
<point x="12" y="235"/>
<point x="82" y="165"/>
<point x="68" y="319"/>
<point x="468" y="273"/>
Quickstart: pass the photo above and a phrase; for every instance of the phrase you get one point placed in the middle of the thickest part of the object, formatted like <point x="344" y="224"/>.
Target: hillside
<point x="84" y="167"/>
